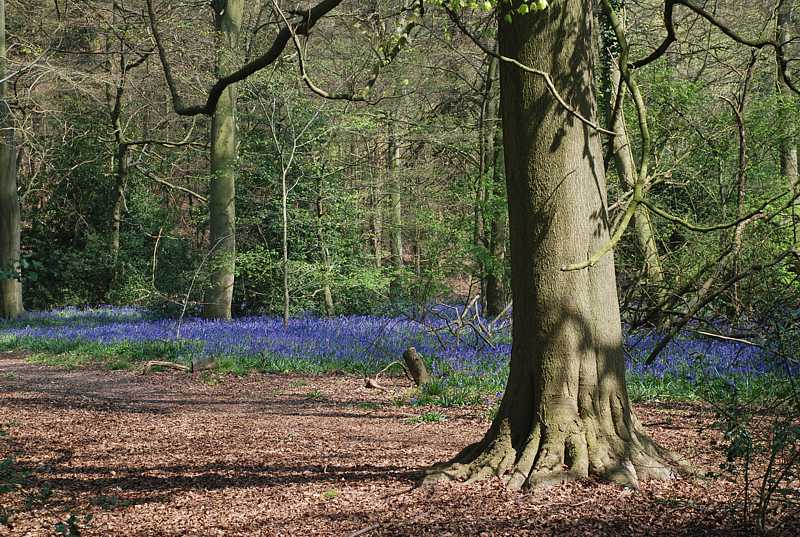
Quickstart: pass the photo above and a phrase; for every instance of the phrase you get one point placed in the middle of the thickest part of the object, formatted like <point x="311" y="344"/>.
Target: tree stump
<point x="416" y="366"/>
<point x="203" y="363"/>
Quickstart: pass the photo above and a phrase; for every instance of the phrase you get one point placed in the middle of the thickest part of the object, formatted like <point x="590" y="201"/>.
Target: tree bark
<point x="376" y="219"/>
<point x="483" y="192"/>
<point x="10" y="225"/>
<point x="788" y="146"/>
<point x="285" y="241"/>
<point x="416" y="366"/>
<point x="565" y="413"/>
<point x="120" y="165"/>
<point x="396" y="239"/>
<point x="327" y="295"/>
<point x="498" y="236"/>
<point x="224" y="149"/>
<point x="118" y="196"/>
<point x="626" y="168"/>
<point x="119" y="157"/>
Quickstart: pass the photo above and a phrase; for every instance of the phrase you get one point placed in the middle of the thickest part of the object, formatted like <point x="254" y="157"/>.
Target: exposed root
<point x="149" y="366"/>
<point x="554" y="454"/>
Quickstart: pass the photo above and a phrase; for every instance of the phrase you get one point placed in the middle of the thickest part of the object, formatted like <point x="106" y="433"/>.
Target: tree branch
<point x="170" y="185"/>
<point x="376" y="69"/>
<point x="548" y="80"/>
<point x="308" y="18"/>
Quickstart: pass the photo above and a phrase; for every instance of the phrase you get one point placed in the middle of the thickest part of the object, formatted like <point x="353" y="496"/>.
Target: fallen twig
<point x="148" y="366"/>
<point x="373" y="384"/>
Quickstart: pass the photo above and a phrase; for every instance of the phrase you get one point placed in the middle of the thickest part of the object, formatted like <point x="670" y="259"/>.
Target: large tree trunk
<point x="10" y="228"/>
<point x="565" y="413"/>
<point x="221" y="202"/>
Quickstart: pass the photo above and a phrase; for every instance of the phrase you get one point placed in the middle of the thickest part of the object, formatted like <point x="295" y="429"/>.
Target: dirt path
<point x="167" y="454"/>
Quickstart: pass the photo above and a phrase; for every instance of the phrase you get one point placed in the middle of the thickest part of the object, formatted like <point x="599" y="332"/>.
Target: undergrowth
<point x="476" y="385"/>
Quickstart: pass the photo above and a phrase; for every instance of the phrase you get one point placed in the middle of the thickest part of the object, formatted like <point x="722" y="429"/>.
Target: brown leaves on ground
<point x="168" y="454"/>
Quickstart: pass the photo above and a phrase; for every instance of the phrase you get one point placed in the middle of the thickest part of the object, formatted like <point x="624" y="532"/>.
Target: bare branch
<point x="376" y="69"/>
<point x="308" y="18"/>
<point x="548" y="80"/>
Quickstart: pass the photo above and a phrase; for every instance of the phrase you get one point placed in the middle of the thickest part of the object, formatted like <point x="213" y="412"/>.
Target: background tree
<point x="224" y="152"/>
<point x="10" y="225"/>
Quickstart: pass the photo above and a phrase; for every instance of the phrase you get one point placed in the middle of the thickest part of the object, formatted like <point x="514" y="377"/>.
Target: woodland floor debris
<point x="172" y="454"/>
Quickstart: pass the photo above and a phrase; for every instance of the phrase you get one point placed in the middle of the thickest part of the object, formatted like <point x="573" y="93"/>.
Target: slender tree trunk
<point x="118" y="196"/>
<point x="565" y="413"/>
<point x="739" y="109"/>
<point x="788" y="146"/>
<point x="376" y="218"/>
<point x="224" y="149"/>
<point x="418" y="252"/>
<point x="483" y="190"/>
<point x="625" y="164"/>
<point x="10" y="226"/>
<point x="396" y="250"/>
<point x="330" y="308"/>
<point x="626" y="168"/>
<point x="120" y="166"/>
<point x="119" y="158"/>
<point x="285" y="244"/>
<point x="498" y="235"/>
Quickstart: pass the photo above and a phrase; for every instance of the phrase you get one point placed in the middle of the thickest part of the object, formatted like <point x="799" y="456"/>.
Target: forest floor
<point x="175" y="454"/>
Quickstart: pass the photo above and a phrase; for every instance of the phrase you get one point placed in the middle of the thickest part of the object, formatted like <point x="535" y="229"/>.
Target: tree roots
<point x="554" y="454"/>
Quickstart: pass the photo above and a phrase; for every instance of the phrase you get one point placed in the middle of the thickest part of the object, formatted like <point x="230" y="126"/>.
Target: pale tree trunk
<point x="788" y="148"/>
<point x="118" y="196"/>
<point x="565" y="413"/>
<point x="221" y="201"/>
<point x="10" y="226"/>
<point x="626" y="169"/>
<point x="396" y="238"/>
<point x="376" y="218"/>
<point x="119" y="158"/>
<point x="120" y="166"/>
<point x="739" y="108"/>
<point x="285" y="244"/>
<point x="325" y="257"/>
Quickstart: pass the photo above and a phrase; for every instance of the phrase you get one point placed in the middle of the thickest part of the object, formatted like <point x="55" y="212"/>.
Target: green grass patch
<point x="73" y="353"/>
<point x="331" y="494"/>
<point x="315" y="395"/>
<point x="458" y="389"/>
<point x="648" y="388"/>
